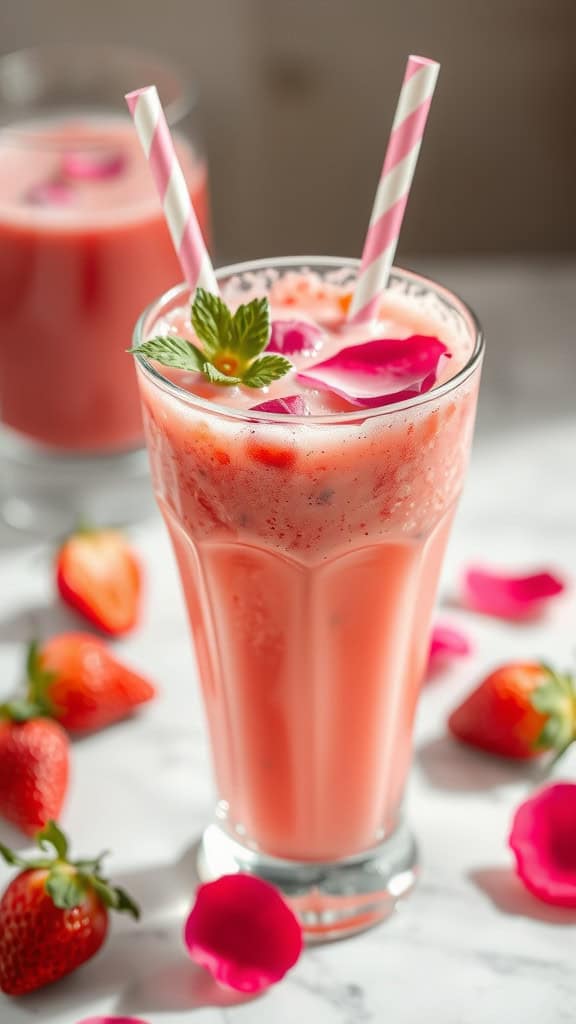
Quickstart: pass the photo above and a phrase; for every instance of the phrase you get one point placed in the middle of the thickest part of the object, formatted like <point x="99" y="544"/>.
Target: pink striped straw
<point x="394" y="187"/>
<point x="154" y="134"/>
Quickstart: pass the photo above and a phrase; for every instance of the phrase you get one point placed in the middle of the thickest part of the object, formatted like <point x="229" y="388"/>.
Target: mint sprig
<point x="232" y="344"/>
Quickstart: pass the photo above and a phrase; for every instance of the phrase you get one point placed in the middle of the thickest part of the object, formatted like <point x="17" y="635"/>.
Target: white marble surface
<point x="469" y="946"/>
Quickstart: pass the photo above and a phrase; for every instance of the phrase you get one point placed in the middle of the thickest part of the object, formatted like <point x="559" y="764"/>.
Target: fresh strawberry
<point x="99" y="575"/>
<point x="53" y="915"/>
<point x="521" y="710"/>
<point x="34" y="766"/>
<point x="76" y="679"/>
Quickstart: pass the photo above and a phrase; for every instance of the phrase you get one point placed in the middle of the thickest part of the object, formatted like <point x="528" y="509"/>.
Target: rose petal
<point x="85" y="166"/>
<point x="241" y="929"/>
<point x="447" y="642"/>
<point x="112" y="1020"/>
<point x="508" y="596"/>
<point x="293" y="405"/>
<point x="291" y="336"/>
<point x="49" y="193"/>
<point x="381" y="371"/>
<point x="543" y="838"/>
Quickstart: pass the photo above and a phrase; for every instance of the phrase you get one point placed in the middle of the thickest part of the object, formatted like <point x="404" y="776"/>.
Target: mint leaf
<point x="215" y="376"/>
<point x="211" y="320"/>
<point x="264" y="370"/>
<point x="172" y="351"/>
<point x="250" y="329"/>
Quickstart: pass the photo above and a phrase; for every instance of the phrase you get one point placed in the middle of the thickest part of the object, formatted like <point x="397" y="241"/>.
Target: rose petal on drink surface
<point x="292" y="336"/>
<point x="49" y="193"/>
<point x="447" y="643"/>
<point x="509" y="596"/>
<point x="83" y="165"/>
<point x="293" y="405"/>
<point x="381" y="371"/>
<point x="243" y="932"/>
<point x="543" y="839"/>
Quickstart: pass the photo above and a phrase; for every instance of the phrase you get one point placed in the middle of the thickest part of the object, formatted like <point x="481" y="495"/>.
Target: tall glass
<point x="83" y="248"/>
<point x="309" y="550"/>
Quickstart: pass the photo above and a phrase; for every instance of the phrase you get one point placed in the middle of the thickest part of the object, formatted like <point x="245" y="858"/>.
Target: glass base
<point x="332" y="899"/>
<point x="48" y="493"/>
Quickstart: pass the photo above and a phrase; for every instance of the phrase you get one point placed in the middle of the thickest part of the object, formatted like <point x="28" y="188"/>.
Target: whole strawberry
<point x="34" y="766"/>
<point x="521" y="710"/>
<point x="53" y="915"/>
<point x="99" y="575"/>
<point x="76" y="679"/>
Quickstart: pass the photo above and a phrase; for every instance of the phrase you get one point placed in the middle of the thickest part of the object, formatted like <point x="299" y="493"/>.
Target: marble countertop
<point x="469" y="946"/>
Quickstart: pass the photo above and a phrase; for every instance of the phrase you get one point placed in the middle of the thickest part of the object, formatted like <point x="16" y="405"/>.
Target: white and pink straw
<point x="394" y="187"/>
<point x="154" y="134"/>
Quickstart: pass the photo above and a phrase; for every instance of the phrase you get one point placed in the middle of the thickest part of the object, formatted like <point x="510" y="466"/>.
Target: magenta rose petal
<point x="509" y="596"/>
<point x="294" y="336"/>
<point x="112" y="1020"/>
<point x="85" y="166"/>
<point x="543" y="839"/>
<point x="447" y="642"/>
<point x="243" y="932"/>
<point x="381" y="371"/>
<point x="49" y="193"/>
<point x="293" y="405"/>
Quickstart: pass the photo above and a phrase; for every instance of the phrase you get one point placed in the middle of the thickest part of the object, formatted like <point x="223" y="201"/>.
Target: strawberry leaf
<point x="114" y="897"/>
<point x="52" y="835"/>
<point x="66" y="887"/>
<point x="172" y="351"/>
<point x="12" y="858"/>
<point x="264" y="370"/>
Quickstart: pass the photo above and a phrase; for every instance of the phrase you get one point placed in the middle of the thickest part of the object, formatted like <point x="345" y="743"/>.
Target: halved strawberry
<point x="99" y="575"/>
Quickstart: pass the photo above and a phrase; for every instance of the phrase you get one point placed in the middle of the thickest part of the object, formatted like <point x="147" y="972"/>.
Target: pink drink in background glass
<point x="81" y="252"/>
<point x="309" y="550"/>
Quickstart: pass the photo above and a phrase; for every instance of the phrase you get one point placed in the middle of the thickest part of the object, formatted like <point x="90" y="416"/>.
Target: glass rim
<point x="290" y="418"/>
<point x="186" y="98"/>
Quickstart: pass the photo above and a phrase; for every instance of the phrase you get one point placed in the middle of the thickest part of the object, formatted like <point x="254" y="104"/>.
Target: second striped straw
<point x="154" y="134"/>
<point x="394" y="187"/>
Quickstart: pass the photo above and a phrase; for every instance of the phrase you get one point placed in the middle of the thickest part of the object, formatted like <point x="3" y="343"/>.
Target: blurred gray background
<point x="297" y="100"/>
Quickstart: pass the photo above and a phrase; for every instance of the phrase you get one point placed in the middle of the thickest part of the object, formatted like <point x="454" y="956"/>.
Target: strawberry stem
<point x="68" y="881"/>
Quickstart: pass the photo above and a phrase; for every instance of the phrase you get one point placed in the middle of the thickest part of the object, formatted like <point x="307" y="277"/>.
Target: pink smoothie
<point x="310" y="552"/>
<point x="83" y="248"/>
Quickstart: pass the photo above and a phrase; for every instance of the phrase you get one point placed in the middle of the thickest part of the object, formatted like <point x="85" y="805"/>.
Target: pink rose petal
<point x="292" y="336"/>
<point x="543" y="838"/>
<point x="447" y="643"/>
<point x="294" y="405"/>
<point x="50" y="193"/>
<point x="241" y="929"/>
<point x="86" y="166"/>
<point x="112" y="1020"/>
<point x="381" y="371"/>
<point x="508" y="596"/>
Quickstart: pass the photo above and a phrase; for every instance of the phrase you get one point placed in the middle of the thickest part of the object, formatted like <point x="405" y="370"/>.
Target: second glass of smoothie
<point x="83" y="247"/>
<point x="310" y="549"/>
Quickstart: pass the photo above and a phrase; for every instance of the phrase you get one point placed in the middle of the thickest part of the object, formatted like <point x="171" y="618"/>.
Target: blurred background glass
<point x="83" y="248"/>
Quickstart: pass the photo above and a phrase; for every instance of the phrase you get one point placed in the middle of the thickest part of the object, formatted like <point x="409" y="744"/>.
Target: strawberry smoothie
<point x="83" y="247"/>
<point x="310" y="549"/>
